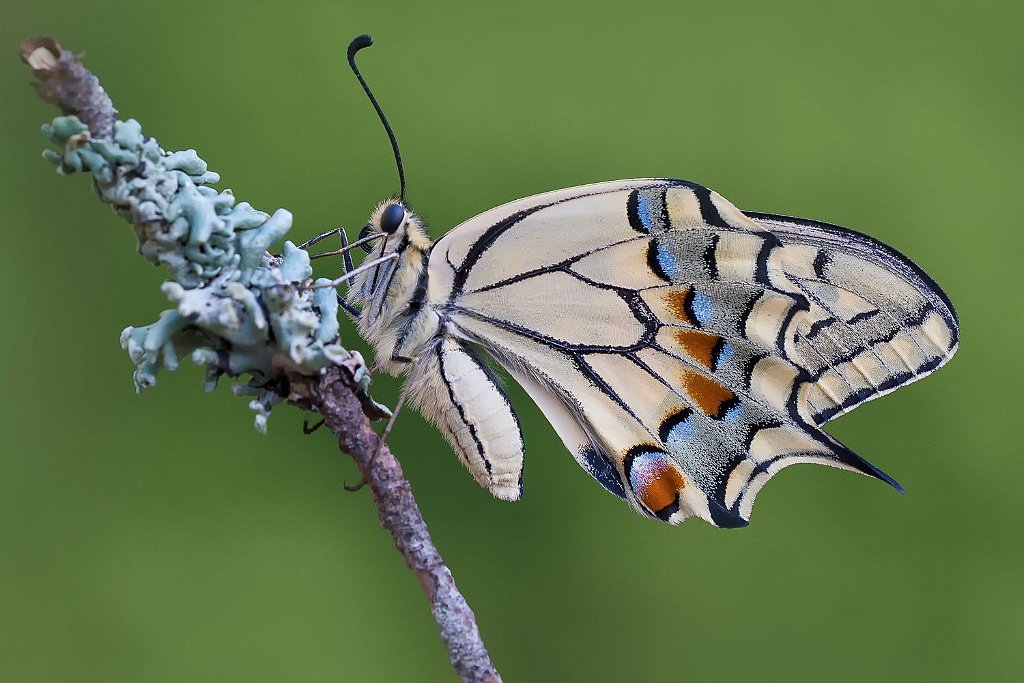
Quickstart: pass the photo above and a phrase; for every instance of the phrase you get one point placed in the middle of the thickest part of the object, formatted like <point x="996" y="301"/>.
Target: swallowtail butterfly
<point x="684" y="350"/>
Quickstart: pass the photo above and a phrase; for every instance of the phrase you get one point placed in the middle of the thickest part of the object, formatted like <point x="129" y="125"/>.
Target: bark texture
<point x="400" y="515"/>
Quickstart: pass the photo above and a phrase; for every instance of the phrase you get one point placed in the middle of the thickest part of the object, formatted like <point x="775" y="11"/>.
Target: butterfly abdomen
<point x="453" y="388"/>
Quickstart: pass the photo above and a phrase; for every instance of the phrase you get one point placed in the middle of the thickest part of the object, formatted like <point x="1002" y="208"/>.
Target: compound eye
<point x="392" y="218"/>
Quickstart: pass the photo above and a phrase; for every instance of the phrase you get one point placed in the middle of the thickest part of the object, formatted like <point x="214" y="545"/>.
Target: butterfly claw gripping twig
<point x="215" y="251"/>
<point x="352" y="488"/>
<point x="311" y="428"/>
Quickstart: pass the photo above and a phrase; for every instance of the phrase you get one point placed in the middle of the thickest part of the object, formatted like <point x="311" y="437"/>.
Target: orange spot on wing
<point x="675" y="301"/>
<point x="698" y="345"/>
<point x="708" y="394"/>
<point x="661" y="489"/>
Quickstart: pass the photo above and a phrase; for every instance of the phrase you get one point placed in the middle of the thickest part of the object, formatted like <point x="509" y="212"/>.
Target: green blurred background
<point x="159" y="538"/>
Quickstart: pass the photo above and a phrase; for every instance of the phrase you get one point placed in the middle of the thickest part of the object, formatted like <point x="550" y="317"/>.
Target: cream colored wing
<point x="659" y="328"/>
<point x="875" y="321"/>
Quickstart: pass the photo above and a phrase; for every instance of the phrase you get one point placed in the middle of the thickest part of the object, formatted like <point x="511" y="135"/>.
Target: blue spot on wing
<point x="643" y="210"/>
<point x="682" y="431"/>
<point x="702" y="307"/>
<point x="733" y="414"/>
<point x="725" y="354"/>
<point x="667" y="262"/>
<point x="662" y="261"/>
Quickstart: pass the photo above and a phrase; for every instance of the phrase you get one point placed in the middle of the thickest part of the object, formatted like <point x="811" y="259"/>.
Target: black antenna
<point x="355" y="46"/>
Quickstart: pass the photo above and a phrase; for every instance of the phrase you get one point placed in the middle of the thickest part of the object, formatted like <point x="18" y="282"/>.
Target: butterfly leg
<point x="346" y="247"/>
<point x="380" y="442"/>
<point x="322" y="236"/>
<point x="309" y="429"/>
<point x="349" y="308"/>
<point x="352" y="273"/>
<point x="346" y="253"/>
<point x="354" y="312"/>
<point x="346" y="250"/>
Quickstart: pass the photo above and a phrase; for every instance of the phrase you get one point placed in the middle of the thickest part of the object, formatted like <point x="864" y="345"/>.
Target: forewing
<point x="877" y="321"/>
<point x="656" y="325"/>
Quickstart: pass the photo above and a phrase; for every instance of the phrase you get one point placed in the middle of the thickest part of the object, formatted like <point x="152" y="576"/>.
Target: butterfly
<point x="684" y="351"/>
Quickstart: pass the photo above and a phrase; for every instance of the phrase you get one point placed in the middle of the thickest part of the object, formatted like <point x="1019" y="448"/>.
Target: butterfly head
<point x="396" y="244"/>
<point x="395" y="226"/>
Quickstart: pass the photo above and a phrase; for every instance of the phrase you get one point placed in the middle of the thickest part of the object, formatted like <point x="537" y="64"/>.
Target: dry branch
<point x="335" y="393"/>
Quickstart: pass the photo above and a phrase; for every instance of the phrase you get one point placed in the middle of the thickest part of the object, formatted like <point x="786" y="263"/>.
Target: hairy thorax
<point x="396" y="319"/>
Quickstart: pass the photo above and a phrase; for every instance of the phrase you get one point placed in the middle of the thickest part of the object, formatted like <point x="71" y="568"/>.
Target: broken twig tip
<point x="41" y="53"/>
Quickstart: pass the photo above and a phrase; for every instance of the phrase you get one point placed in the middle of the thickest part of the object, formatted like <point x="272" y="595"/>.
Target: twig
<point x="63" y="81"/>
<point x="400" y="515"/>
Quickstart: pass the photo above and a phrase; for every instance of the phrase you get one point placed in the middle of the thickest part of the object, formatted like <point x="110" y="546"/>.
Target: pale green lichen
<point x="239" y="310"/>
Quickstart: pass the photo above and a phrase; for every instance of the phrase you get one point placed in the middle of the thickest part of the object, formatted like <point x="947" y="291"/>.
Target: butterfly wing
<point x="876" y="321"/>
<point x="666" y="335"/>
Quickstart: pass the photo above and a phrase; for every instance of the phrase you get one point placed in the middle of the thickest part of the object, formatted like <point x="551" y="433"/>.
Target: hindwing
<point x="685" y="351"/>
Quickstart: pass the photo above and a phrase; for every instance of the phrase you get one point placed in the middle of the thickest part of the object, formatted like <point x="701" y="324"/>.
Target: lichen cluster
<point x="239" y="310"/>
